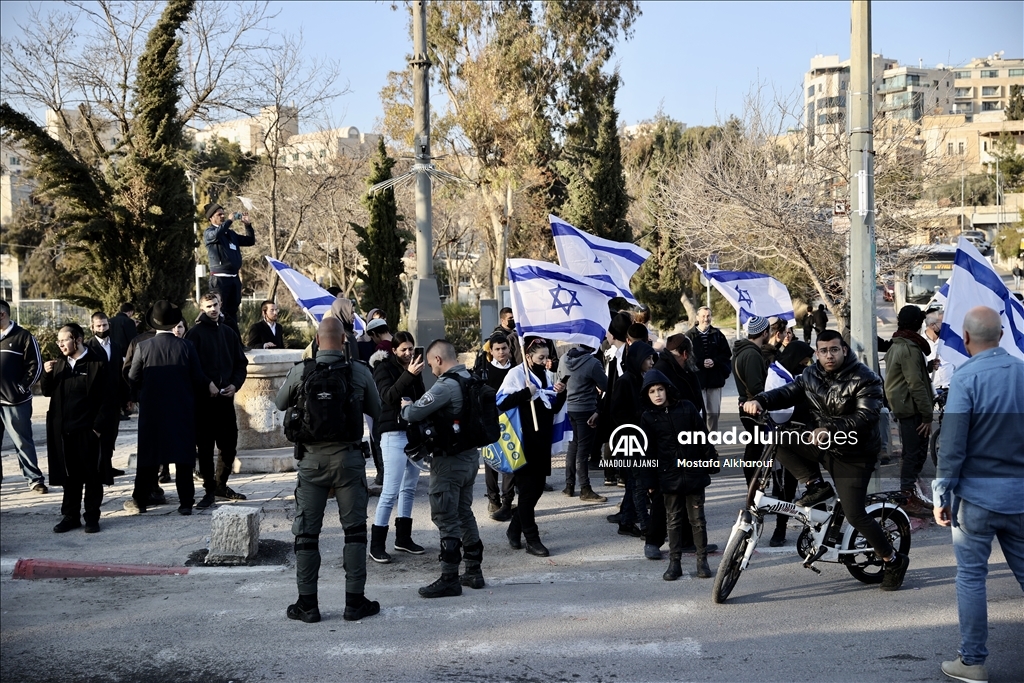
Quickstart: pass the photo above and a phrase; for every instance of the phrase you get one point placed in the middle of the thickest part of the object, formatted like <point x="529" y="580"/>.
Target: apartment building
<point x="260" y="134"/>
<point x="317" y="149"/>
<point x="900" y="92"/>
<point x="984" y="85"/>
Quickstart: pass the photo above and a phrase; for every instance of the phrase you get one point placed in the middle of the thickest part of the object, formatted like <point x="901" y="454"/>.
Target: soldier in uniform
<point x="327" y="465"/>
<point x="451" y="477"/>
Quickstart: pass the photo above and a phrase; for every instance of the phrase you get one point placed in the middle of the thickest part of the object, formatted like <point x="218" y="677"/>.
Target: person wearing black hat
<point x="908" y="389"/>
<point x="751" y="371"/>
<point x="222" y="248"/>
<point x="167" y="375"/>
<point x="616" y="339"/>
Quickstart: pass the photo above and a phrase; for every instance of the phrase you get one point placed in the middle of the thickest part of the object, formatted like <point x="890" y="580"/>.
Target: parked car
<point x="979" y="239"/>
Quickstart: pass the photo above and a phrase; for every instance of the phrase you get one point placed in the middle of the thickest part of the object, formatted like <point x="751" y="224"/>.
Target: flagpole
<point x="533" y="408"/>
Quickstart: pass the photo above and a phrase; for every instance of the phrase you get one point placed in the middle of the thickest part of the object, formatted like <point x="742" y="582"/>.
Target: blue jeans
<point x="973" y="529"/>
<point x="400" y="479"/>
<point x="18" y="421"/>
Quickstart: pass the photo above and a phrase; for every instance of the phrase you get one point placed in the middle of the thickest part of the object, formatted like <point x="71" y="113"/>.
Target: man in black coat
<point x="820" y="319"/>
<point x="223" y="361"/>
<point x="82" y="402"/>
<point x="166" y="373"/>
<point x="492" y="366"/>
<point x="711" y="357"/>
<point x="223" y="249"/>
<point x="122" y="330"/>
<point x="102" y="343"/>
<point x="266" y="333"/>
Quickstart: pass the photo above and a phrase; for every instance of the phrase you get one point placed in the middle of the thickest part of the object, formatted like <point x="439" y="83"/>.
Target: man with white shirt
<point x="266" y="333"/>
<point x="20" y="366"/>
<point x="103" y="342"/>
<point x="941" y="370"/>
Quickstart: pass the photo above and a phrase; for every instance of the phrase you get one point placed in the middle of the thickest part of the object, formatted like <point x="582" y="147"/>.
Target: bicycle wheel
<point x="729" y="568"/>
<point x="865" y="566"/>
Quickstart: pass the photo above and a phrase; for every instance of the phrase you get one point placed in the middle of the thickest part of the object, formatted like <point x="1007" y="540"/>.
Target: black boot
<point x="357" y="606"/>
<point x="448" y="585"/>
<point x="703" y="570"/>
<point x="305" y="609"/>
<point x="535" y="547"/>
<point x="515" y="533"/>
<point x="674" y="570"/>
<point x="403" y="537"/>
<point x="474" y="576"/>
<point x="779" y="537"/>
<point x="378" y="543"/>
<point x="504" y="512"/>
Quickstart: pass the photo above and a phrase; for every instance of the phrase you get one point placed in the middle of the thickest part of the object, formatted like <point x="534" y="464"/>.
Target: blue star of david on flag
<point x="742" y="296"/>
<point x="566" y="306"/>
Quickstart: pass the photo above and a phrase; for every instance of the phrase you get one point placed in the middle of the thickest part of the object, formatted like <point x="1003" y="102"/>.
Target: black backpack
<point x="325" y="408"/>
<point x="478" y="421"/>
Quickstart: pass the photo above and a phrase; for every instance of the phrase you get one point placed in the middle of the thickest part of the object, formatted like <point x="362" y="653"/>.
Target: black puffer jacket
<point x="847" y="400"/>
<point x="394" y="383"/>
<point x="685" y="381"/>
<point x="662" y="425"/>
<point x="626" y="408"/>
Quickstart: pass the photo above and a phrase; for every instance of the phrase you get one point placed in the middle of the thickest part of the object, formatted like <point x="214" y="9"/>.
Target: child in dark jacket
<point x="683" y="471"/>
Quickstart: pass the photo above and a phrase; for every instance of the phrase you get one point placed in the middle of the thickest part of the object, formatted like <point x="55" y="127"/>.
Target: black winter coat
<point x="166" y="376"/>
<point x="90" y="385"/>
<point x="685" y="381"/>
<point x="220" y="352"/>
<point x="848" y="400"/>
<point x="394" y="383"/>
<point x="662" y="425"/>
<point x="536" y="442"/>
<point x="716" y="347"/>
<point x="625" y="406"/>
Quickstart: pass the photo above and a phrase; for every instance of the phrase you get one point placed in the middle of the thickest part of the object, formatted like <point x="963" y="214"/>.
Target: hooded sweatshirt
<point x="586" y="375"/>
<point x="662" y="425"/>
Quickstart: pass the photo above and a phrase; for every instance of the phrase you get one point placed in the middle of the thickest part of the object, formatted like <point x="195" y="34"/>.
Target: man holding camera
<point x="222" y="248"/>
<point x="327" y="465"/>
<point x="451" y="475"/>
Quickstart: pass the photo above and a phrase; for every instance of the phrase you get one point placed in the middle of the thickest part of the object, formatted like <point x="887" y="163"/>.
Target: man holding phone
<point x="222" y="248"/>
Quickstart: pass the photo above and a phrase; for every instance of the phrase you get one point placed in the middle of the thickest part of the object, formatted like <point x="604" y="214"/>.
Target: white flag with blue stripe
<point x="753" y="294"/>
<point x="778" y="376"/>
<point x="610" y="263"/>
<point x="552" y="302"/>
<point x="975" y="282"/>
<point x="515" y="380"/>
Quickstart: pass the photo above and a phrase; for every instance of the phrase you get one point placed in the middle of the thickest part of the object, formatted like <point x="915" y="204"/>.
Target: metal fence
<point x="48" y="313"/>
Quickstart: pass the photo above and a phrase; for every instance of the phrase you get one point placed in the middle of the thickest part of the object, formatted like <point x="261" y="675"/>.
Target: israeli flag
<point x="551" y="302"/>
<point x="753" y="294"/>
<point x="516" y="380"/>
<point x="314" y="299"/>
<point x="610" y="263"/>
<point x="778" y="376"/>
<point x="975" y="282"/>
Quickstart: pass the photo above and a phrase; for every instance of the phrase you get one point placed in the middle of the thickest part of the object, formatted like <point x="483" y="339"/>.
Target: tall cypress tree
<point x="127" y="223"/>
<point x="382" y="243"/>
<point x="597" y="199"/>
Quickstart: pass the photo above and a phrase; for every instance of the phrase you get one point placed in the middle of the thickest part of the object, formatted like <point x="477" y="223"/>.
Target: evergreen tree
<point x="1015" y="109"/>
<point x="597" y="201"/>
<point x="382" y="243"/>
<point x="126" y="223"/>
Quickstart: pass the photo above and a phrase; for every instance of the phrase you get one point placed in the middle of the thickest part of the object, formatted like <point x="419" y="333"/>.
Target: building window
<point x="1016" y="72"/>
<point x="990" y="73"/>
<point x="960" y="148"/>
<point x="984" y="145"/>
<point x="962" y="92"/>
<point x="819" y="87"/>
<point x="821" y="119"/>
<point x="830" y="102"/>
<point x="6" y="289"/>
<point x="949" y="149"/>
<point x="309" y="155"/>
<point x="842" y="85"/>
<point x="295" y="157"/>
<point x="990" y="106"/>
<point x="961" y="74"/>
<point x="323" y="153"/>
<point x="810" y="91"/>
<point x="990" y="91"/>
<point x="15" y="161"/>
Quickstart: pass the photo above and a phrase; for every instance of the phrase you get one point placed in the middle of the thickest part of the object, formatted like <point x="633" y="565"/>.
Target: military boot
<point x="474" y="576"/>
<point x="674" y="570"/>
<point x="448" y="585"/>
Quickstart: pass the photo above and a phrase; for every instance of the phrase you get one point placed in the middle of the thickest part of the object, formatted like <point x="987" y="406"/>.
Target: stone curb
<point x="29" y="569"/>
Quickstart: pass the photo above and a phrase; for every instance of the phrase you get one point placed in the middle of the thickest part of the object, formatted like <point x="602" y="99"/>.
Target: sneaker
<point x="817" y="492"/>
<point x="92" y="527"/>
<point x="207" y="501"/>
<point x="893" y="572"/>
<point x="309" y="615"/>
<point x="652" y="552"/>
<point x="972" y="673"/>
<point x="39" y="487"/>
<point x="610" y="482"/>
<point x="356" y="612"/>
<point x="587" y="495"/>
<point x="228" y="493"/>
<point x="67" y="524"/>
<point x="630" y="530"/>
<point x="132" y="507"/>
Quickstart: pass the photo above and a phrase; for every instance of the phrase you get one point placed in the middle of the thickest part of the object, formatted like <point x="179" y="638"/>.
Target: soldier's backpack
<point x="478" y="421"/>
<point x="325" y="407"/>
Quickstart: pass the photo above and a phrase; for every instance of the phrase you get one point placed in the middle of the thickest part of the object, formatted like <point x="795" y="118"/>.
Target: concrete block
<point x="264" y="460"/>
<point x="235" y="537"/>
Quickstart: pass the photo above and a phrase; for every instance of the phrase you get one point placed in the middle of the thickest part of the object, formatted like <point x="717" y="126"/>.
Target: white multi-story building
<point x="985" y="85"/>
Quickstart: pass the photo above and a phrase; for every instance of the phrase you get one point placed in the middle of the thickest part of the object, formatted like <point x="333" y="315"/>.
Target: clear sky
<point x="696" y="60"/>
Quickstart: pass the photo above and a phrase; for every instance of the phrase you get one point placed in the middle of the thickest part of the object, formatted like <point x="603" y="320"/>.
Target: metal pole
<point x="195" y="231"/>
<point x="863" y="338"/>
<point x="426" y="317"/>
<point x="962" y="217"/>
<point x="709" y="284"/>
